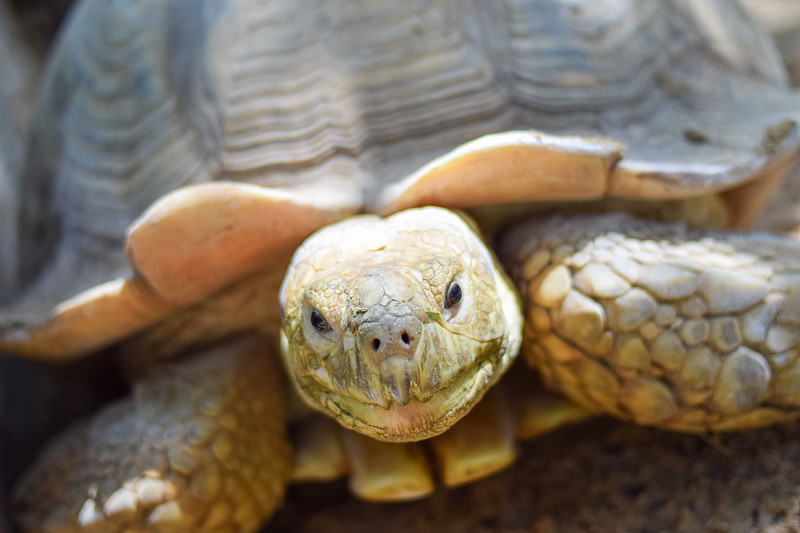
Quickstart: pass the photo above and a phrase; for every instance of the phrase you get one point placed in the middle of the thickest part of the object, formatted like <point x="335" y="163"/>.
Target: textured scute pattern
<point x="598" y="477"/>
<point x="200" y="446"/>
<point x="659" y="325"/>
<point x="145" y="96"/>
<point x="106" y="122"/>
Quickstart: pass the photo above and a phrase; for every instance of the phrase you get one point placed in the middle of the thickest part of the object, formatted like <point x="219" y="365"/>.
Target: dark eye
<point x="453" y="295"/>
<point x="319" y="322"/>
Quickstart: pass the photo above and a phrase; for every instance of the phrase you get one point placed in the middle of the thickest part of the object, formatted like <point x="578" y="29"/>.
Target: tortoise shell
<point x="311" y="97"/>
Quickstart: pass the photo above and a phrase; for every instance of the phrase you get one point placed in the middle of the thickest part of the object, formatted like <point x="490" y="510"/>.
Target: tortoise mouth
<point x="417" y="420"/>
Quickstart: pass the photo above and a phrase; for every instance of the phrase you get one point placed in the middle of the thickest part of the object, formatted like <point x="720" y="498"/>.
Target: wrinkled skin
<point x="397" y="326"/>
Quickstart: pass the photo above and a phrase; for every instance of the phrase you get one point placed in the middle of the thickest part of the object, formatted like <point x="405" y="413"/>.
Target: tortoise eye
<point x="319" y="322"/>
<point x="453" y="296"/>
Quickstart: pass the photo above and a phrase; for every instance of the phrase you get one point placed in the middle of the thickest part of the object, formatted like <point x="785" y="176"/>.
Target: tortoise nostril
<point x="392" y="337"/>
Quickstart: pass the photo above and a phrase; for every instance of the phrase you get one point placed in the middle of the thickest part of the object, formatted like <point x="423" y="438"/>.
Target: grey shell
<point x="143" y="96"/>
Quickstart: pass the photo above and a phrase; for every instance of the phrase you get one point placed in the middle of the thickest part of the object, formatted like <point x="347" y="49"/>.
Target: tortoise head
<point x="396" y="327"/>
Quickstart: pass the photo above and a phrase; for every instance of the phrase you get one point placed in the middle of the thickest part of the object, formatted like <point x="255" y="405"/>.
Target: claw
<point x="318" y="451"/>
<point x="480" y="444"/>
<point x="185" y="453"/>
<point x="387" y="471"/>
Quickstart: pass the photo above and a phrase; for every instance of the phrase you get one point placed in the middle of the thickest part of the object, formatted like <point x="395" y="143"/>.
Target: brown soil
<point x="601" y="476"/>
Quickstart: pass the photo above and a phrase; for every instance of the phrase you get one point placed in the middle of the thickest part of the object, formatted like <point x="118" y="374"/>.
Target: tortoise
<point x="181" y="151"/>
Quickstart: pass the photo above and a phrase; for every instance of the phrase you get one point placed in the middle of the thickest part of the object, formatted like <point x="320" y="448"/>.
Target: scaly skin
<point x="647" y="321"/>
<point x="201" y="446"/>
<point x="390" y="357"/>
<point x="659" y="325"/>
<point x="643" y="320"/>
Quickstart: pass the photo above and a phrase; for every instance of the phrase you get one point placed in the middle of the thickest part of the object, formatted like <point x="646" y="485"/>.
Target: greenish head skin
<point x="397" y="326"/>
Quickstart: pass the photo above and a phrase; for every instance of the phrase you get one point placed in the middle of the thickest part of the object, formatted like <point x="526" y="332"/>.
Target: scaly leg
<point x="200" y="446"/>
<point x="660" y="325"/>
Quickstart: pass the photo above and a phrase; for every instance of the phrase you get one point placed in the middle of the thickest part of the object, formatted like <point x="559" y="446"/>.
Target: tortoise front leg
<point x="659" y="325"/>
<point x="480" y="444"/>
<point x="200" y="446"/>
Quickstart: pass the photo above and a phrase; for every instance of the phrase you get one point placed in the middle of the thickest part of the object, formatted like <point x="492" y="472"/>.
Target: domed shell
<point x="333" y="104"/>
